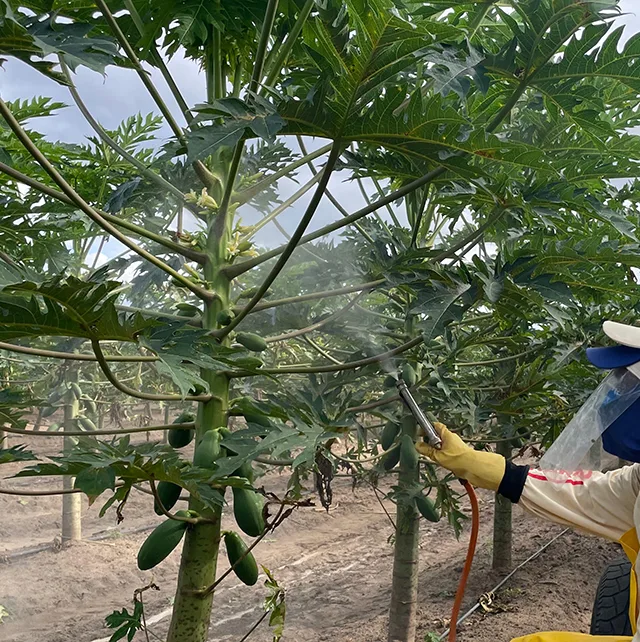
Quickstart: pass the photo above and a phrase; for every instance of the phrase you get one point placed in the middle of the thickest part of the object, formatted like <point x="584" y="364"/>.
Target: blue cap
<point x="614" y="357"/>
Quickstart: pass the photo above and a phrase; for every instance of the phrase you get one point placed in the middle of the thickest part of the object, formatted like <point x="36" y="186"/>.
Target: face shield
<point x="607" y="426"/>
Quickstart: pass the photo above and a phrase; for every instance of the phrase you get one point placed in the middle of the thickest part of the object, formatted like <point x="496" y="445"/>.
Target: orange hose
<point x="471" y="551"/>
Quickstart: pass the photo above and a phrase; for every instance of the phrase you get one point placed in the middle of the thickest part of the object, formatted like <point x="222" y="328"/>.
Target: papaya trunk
<point x="165" y="433"/>
<point x="148" y="417"/>
<point x="192" y="610"/>
<point x="38" y="422"/>
<point x="502" y="518"/>
<point x="71" y="503"/>
<point x="404" y="591"/>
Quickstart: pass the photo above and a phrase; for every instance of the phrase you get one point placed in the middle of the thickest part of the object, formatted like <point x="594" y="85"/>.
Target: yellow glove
<point x="481" y="468"/>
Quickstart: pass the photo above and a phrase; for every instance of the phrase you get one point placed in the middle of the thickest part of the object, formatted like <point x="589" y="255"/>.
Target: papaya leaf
<point x="239" y="118"/>
<point x="13" y="405"/>
<point x="16" y="453"/>
<point x="182" y="350"/>
<point x="74" y="42"/>
<point x="275" y="605"/>
<point x="122" y="195"/>
<point x="439" y="307"/>
<point x="96" y="462"/>
<point x="65" y="306"/>
<point x="94" y="481"/>
<point x="125" y="623"/>
<point x="454" y="69"/>
<point x="207" y="140"/>
<point x="17" y="42"/>
<point x="5" y="157"/>
<point x="33" y="38"/>
<point x="597" y="54"/>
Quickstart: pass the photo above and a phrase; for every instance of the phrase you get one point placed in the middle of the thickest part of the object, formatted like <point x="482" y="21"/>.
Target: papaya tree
<point x="420" y="105"/>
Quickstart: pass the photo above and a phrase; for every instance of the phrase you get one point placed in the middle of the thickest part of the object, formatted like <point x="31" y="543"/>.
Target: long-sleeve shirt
<point x="604" y="504"/>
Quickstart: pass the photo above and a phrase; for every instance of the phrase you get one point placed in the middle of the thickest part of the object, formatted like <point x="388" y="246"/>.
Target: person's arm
<point x="602" y="504"/>
<point x="594" y="502"/>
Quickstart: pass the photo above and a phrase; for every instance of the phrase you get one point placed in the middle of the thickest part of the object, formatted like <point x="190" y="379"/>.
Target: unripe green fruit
<point x="224" y="317"/>
<point x="427" y="509"/>
<point x="389" y="434"/>
<point x="246" y="570"/>
<point x="251" y="341"/>
<point x="161" y="542"/>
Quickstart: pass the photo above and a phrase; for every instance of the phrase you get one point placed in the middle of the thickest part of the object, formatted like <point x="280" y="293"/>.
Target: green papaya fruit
<point x="242" y="399"/>
<point x="87" y="424"/>
<point x="207" y="450"/>
<point x="169" y="494"/>
<point x="75" y="389"/>
<point x="54" y="397"/>
<point x="246" y="570"/>
<point x="246" y="471"/>
<point x="90" y="406"/>
<point x="426" y="508"/>
<point x="247" y="509"/>
<point x="47" y="412"/>
<point x="224" y="432"/>
<point x="161" y="542"/>
<point x="251" y="341"/>
<point x="248" y="293"/>
<point x="389" y="434"/>
<point x="179" y="437"/>
<point x="188" y="310"/>
<point x="260" y="420"/>
<point x="224" y="317"/>
<point x="391" y="459"/>
<point x="185" y="417"/>
<point x="53" y="428"/>
<point x="409" y="457"/>
<point x="409" y="374"/>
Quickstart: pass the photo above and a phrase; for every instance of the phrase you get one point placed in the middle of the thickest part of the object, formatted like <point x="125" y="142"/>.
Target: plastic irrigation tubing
<point x="500" y="584"/>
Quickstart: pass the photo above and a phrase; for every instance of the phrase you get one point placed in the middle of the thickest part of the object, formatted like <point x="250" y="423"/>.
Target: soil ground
<point x="336" y="568"/>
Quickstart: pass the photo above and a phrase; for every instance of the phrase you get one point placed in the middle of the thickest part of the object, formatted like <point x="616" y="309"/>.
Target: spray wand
<point x="432" y="437"/>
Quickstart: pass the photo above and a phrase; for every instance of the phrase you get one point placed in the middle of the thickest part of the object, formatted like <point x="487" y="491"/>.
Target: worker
<point x="604" y="504"/>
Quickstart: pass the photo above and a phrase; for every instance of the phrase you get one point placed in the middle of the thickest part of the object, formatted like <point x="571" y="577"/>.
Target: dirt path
<point x="336" y="568"/>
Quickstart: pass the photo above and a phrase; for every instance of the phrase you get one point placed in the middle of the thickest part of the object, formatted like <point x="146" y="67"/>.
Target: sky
<point x="121" y="94"/>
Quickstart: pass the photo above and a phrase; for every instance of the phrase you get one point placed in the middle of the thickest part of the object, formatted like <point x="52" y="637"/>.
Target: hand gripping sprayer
<point x="433" y="439"/>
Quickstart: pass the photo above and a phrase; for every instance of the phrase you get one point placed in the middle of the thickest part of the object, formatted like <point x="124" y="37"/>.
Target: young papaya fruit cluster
<point x="247" y="506"/>
<point x="56" y="399"/>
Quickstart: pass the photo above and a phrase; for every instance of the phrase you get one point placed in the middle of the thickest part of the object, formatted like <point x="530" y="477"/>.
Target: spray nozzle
<point x="431" y="436"/>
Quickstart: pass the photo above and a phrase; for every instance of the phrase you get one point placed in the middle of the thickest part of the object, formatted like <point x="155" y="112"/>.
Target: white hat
<point x="626" y="335"/>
